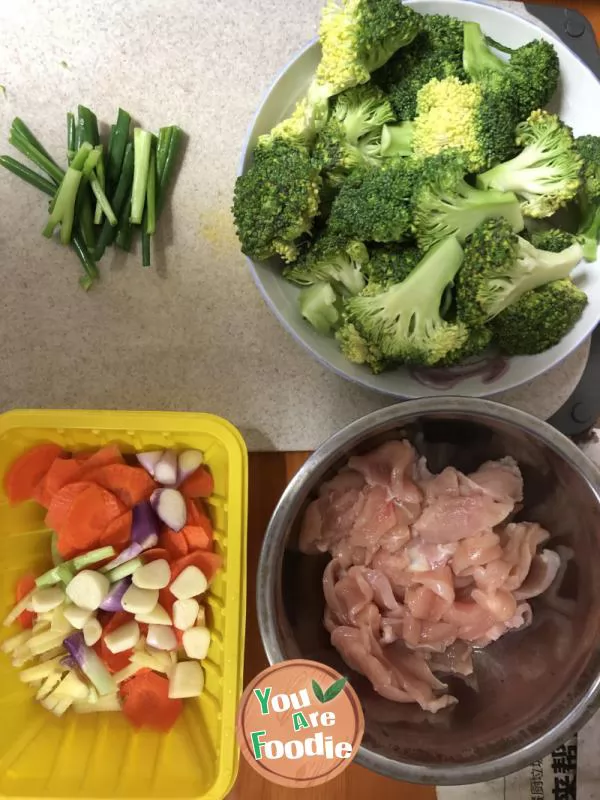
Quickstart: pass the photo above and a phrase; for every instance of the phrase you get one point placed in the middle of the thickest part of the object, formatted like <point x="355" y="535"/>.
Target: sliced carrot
<point x="146" y="702"/>
<point x="109" y="454"/>
<point x="131" y="485"/>
<point x="62" y="472"/>
<point x="154" y="554"/>
<point x="61" y="503"/>
<point x="198" y="484"/>
<point x="25" y="584"/>
<point x="194" y="513"/>
<point x="118" y="531"/>
<point x="197" y="537"/>
<point x="114" y="662"/>
<point x="174" y="542"/>
<point x="26" y="472"/>
<point x="91" y="513"/>
<point x="209" y="563"/>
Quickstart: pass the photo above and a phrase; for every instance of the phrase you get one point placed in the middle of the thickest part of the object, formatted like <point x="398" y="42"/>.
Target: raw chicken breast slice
<point x="457" y="659"/>
<point x="475" y="551"/>
<point x="500" y="604"/>
<point x="544" y="569"/>
<point x="500" y="479"/>
<point x="520" y="541"/>
<point x="376" y="518"/>
<point x="450" y="519"/>
<point x="328" y="519"/>
<point x="346" y="594"/>
<point x="425" y="556"/>
<point x="522" y="618"/>
<point x="382" y="590"/>
<point x="391" y="466"/>
<point x="473" y="621"/>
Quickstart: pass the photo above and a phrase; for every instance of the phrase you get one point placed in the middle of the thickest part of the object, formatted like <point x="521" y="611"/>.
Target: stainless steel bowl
<point x="531" y="689"/>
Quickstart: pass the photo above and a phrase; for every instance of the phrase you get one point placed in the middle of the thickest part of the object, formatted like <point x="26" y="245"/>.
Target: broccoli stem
<point x="118" y="202"/>
<point x="28" y="175"/>
<point x="477" y="56"/>
<point x="142" y="146"/>
<point x="117" y="144"/>
<point x="590" y="236"/>
<point x="397" y="140"/>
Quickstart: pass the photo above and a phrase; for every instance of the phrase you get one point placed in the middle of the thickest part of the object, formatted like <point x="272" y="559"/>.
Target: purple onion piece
<point x="170" y="507"/>
<point x="89" y="663"/>
<point x="149" y="460"/>
<point x="144" y="526"/>
<point x="112" y="601"/>
<point x="68" y="662"/>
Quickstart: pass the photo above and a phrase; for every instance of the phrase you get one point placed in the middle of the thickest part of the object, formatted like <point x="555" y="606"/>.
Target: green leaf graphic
<point x="334" y="689"/>
<point x="318" y="692"/>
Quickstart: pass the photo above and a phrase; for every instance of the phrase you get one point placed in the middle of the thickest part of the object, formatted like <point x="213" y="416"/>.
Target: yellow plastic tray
<point x="100" y="755"/>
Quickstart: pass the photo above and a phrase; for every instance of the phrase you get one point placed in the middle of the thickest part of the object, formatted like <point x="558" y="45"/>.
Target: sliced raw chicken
<point x="425" y="567"/>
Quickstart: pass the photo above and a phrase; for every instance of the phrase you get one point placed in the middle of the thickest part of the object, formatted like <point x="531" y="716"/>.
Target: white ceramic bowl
<point x="577" y="102"/>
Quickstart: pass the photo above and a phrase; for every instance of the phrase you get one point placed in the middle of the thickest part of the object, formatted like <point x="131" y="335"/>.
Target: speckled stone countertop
<point x="191" y="333"/>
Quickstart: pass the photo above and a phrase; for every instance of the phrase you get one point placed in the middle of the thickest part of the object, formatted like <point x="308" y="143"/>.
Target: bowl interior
<point x="577" y="101"/>
<point x="525" y="684"/>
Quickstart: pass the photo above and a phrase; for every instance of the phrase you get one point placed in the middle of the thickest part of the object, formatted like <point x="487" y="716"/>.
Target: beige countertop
<point x="192" y="332"/>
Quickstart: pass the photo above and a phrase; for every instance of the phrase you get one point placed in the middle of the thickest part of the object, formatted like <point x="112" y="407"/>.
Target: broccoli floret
<point x="554" y="240"/>
<point x="392" y="263"/>
<point x="546" y="174"/>
<point x="360" y="36"/>
<point x="446" y="205"/>
<point x="319" y="305"/>
<point x="588" y="148"/>
<point x="334" y="260"/>
<point x="356" y="113"/>
<point x="359" y="351"/>
<point x="436" y="52"/>
<point x="500" y="267"/>
<point x="530" y="77"/>
<point x="404" y="321"/>
<point x="462" y="116"/>
<point x="478" y="340"/>
<point x="374" y="204"/>
<point x="539" y="319"/>
<point x="276" y="199"/>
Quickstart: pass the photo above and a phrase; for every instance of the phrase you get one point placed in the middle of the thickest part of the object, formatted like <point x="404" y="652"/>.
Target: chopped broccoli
<point x="539" y="319"/>
<point x="404" y="321"/>
<point x="478" y="340"/>
<point x="530" y="77"/>
<point x="588" y="148"/>
<point x="500" y="267"/>
<point x="359" y="351"/>
<point x="546" y="174"/>
<point x="436" y="52"/>
<point x="360" y="36"/>
<point x="392" y="263"/>
<point x="462" y="116"/>
<point x="446" y="205"/>
<point x="374" y="205"/>
<point x="276" y="199"/>
<point x="319" y="306"/>
<point x="355" y="114"/>
<point x="554" y="240"/>
<point x="333" y="260"/>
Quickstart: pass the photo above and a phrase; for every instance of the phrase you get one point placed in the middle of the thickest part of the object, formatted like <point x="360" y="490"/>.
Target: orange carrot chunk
<point x="198" y="484"/>
<point x="109" y="454"/>
<point x="25" y="585"/>
<point x="91" y="513"/>
<point x="60" y="507"/>
<point x="114" y="662"/>
<point x="62" y="472"/>
<point x="131" y="485"/>
<point x="146" y="702"/>
<point x="154" y="554"/>
<point x="118" y="532"/>
<point x="174" y="542"/>
<point x="29" y="469"/>
<point x="197" y="537"/>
